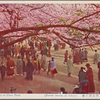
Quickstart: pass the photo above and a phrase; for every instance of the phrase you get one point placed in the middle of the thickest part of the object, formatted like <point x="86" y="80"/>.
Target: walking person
<point x="2" y="70"/>
<point x="85" y="54"/>
<point x="38" y="64"/>
<point x="95" y="57"/>
<point x="10" y="67"/>
<point x="90" y="78"/>
<point x="53" y="67"/>
<point x="81" y="55"/>
<point x="19" y="66"/>
<point x="29" y="70"/>
<point x="69" y="66"/>
<point x="22" y="51"/>
<point x="49" y="67"/>
<point x="65" y="56"/>
<point x="23" y="65"/>
<point x="34" y="65"/>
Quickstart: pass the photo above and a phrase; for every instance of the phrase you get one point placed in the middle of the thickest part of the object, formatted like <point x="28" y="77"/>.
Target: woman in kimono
<point x="66" y="56"/>
<point x="69" y="66"/>
<point x="53" y="67"/>
<point x="90" y="79"/>
<point x="29" y="70"/>
<point x="95" y="57"/>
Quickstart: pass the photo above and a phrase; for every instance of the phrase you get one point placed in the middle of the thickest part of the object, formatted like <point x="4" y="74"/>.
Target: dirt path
<point x="44" y="83"/>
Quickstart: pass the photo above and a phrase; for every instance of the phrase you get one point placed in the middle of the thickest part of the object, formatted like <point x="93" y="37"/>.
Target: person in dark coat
<point x="29" y="70"/>
<point x="2" y="69"/>
<point x="82" y="74"/>
<point x="99" y="71"/>
<point x="22" y="51"/>
<point x="65" y="56"/>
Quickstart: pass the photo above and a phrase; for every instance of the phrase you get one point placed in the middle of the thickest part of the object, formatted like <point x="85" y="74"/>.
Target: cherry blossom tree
<point x="75" y="24"/>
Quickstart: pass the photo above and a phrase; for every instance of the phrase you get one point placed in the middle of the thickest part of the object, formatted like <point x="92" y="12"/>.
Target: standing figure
<point x="99" y="70"/>
<point x="69" y="66"/>
<point x="10" y="67"/>
<point x="95" y="57"/>
<point x="38" y="64"/>
<point x="81" y="56"/>
<point x="49" y="67"/>
<point x="2" y="53"/>
<point x="76" y="57"/>
<point x="34" y="65"/>
<point x="27" y="54"/>
<point x="12" y="50"/>
<point x="29" y="70"/>
<point x="53" y="67"/>
<point x="2" y="69"/>
<point x="15" y="50"/>
<point x="19" y="66"/>
<point x="85" y="54"/>
<point x="22" y="51"/>
<point x="23" y="65"/>
<point x="90" y="78"/>
<point x="9" y="50"/>
<point x="66" y="56"/>
<point x="6" y="52"/>
<point x="82" y="74"/>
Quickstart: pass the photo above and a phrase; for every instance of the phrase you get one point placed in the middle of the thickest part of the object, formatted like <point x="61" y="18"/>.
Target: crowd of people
<point x="34" y="65"/>
<point x="86" y="77"/>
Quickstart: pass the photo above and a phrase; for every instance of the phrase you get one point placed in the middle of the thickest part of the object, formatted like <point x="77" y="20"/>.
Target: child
<point x="2" y="69"/>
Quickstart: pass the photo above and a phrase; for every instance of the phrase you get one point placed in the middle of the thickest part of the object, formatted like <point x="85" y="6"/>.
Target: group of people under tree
<point x="32" y="66"/>
<point x="86" y="80"/>
<point x="35" y="65"/>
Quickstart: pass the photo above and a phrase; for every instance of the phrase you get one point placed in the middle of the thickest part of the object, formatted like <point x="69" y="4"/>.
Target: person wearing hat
<point x="2" y="69"/>
<point x="69" y="66"/>
<point x="90" y="78"/>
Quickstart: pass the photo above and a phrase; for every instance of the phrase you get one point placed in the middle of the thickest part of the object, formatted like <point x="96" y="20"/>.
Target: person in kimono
<point x="82" y="74"/>
<point x="85" y="54"/>
<point x="95" y="57"/>
<point x="29" y="70"/>
<point x="19" y="66"/>
<point x="10" y="67"/>
<point x="2" y="70"/>
<point x="65" y="56"/>
<point x="98" y="65"/>
<point x="38" y="64"/>
<point x="53" y="67"/>
<point x="90" y="79"/>
<point x="69" y="66"/>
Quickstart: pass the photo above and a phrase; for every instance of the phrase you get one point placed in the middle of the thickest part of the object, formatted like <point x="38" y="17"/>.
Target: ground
<point x="43" y="83"/>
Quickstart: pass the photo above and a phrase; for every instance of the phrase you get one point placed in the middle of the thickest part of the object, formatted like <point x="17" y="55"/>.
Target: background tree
<point x="74" y="24"/>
